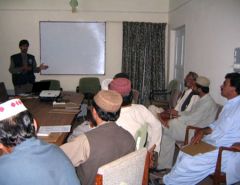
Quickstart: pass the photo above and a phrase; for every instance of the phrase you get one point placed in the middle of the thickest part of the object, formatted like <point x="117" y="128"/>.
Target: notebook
<point x="3" y="93"/>
<point x="40" y="86"/>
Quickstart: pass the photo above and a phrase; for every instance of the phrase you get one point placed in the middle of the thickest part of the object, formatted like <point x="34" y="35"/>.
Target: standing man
<point x="103" y="144"/>
<point x="22" y="67"/>
<point x="201" y="115"/>
<point x="225" y="131"/>
<point x="26" y="159"/>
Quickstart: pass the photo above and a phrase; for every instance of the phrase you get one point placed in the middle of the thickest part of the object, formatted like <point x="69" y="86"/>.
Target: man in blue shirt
<point x="27" y="160"/>
<point x="225" y="131"/>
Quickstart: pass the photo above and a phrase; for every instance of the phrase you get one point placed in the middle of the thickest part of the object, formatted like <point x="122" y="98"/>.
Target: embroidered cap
<point x="11" y="108"/>
<point x="121" y="85"/>
<point x="108" y="101"/>
<point x="203" y="81"/>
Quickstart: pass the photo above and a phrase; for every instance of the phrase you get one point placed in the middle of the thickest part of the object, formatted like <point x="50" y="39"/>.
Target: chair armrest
<point x="99" y="179"/>
<point x="219" y="159"/>
<point x="187" y="133"/>
<point x="146" y="169"/>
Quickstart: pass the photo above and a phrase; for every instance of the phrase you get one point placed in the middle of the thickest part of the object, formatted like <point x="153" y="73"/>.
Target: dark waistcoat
<point x="23" y="78"/>
<point x="107" y="143"/>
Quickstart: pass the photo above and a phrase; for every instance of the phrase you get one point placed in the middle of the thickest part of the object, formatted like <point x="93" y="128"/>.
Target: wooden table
<point x="45" y="115"/>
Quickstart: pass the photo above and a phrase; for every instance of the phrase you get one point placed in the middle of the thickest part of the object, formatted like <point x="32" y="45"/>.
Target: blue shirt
<point x="226" y="129"/>
<point x="35" y="162"/>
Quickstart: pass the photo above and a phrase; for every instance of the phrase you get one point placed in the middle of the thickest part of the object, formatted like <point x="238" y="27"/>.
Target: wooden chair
<point x="130" y="169"/>
<point x="218" y="176"/>
<point x="179" y="144"/>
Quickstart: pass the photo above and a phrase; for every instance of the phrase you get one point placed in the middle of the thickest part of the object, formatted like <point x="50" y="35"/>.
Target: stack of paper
<point x="46" y="130"/>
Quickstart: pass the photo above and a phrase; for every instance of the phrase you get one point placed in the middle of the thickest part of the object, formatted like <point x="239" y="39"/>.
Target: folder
<point x="199" y="148"/>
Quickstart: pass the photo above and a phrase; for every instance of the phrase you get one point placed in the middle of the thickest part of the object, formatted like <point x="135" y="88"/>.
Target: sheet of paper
<point x="50" y="129"/>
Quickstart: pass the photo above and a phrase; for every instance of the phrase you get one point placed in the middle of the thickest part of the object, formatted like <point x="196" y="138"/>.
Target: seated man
<point x="225" y="131"/>
<point x="187" y="99"/>
<point x="28" y="160"/>
<point x="103" y="144"/>
<point x="201" y="115"/>
<point x="105" y="83"/>
<point x="134" y="116"/>
<point x="88" y="124"/>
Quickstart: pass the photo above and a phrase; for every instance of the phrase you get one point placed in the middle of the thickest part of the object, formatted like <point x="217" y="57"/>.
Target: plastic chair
<point x="54" y="84"/>
<point x="89" y="86"/>
<point x="218" y="176"/>
<point x="131" y="169"/>
<point x="141" y="137"/>
<point x="166" y="98"/>
<point x="105" y="83"/>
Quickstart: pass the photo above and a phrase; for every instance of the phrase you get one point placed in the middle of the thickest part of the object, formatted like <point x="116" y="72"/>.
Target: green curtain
<point x="143" y="56"/>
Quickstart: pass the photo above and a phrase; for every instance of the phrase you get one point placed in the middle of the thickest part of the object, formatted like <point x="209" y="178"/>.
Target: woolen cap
<point x="11" y="108"/>
<point x="203" y="81"/>
<point x="121" y="85"/>
<point x="108" y="101"/>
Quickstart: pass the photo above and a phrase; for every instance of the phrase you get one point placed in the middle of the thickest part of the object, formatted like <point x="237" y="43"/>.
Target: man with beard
<point x="222" y="132"/>
<point x="186" y="100"/>
<point x="22" y="67"/>
<point x="201" y="115"/>
<point x="103" y="144"/>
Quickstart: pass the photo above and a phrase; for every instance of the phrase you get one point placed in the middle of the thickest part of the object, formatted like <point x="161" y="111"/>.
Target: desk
<point x="42" y="112"/>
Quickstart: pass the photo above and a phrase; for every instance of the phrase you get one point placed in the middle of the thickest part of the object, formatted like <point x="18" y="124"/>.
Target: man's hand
<point x="197" y="137"/>
<point x="173" y="113"/>
<point x="163" y="121"/>
<point x="26" y="69"/>
<point x="152" y="158"/>
<point x="200" y="134"/>
<point x="236" y="146"/>
<point x="43" y="66"/>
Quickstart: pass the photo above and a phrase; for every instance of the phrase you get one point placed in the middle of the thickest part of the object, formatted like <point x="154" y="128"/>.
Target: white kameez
<point x="225" y="132"/>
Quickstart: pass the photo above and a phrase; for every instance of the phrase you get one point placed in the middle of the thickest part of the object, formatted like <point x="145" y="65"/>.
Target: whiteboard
<point x="73" y="47"/>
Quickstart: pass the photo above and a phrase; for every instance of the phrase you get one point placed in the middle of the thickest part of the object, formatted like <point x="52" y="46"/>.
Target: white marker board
<point x="73" y="47"/>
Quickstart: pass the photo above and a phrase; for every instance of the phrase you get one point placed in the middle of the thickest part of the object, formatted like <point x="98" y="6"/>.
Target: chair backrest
<point x="3" y="93"/>
<point x="129" y="169"/>
<point x="40" y="86"/>
<point x="89" y="85"/>
<point x="173" y="85"/>
<point x="141" y="137"/>
<point x="54" y="84"/>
